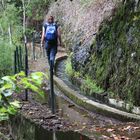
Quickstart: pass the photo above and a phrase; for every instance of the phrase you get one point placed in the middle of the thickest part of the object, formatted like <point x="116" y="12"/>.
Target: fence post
<point x="20" y="58"/>
<point x="33" y="47"/>
<point x="52" y="88"/>
<point x="15" y="62"/>
<point x="18" y="61"/>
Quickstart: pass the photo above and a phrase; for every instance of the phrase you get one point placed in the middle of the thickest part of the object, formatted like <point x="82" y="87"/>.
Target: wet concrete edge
<point x="90" y="104"/>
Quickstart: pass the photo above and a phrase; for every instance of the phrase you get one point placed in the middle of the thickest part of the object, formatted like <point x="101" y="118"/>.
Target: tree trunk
<point x="10" y="35"/>
<point x="24" y="16"/>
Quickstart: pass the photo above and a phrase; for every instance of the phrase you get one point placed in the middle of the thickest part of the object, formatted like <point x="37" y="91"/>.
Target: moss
<point x="69" y="69"/>
<point x="115" y="64"/>
<point x="85" y="2"/>
<point x="90" y="86"/>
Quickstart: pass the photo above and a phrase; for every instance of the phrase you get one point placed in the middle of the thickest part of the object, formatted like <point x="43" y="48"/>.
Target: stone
<point x="136" y="110"/>
<point x="119" y="53"/>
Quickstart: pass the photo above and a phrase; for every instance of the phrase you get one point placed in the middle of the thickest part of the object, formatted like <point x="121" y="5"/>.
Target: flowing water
<point x="60" y="72"/>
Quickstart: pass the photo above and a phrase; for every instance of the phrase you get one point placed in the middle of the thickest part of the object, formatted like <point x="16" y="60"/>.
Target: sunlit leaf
<point x="4" y="116"/>
<point x="15" y="104"/>
<point x="21" y="74"/>
<point x="3" y="110"/>
<point x="8" y="93"/>
<point x="11" y="110"/>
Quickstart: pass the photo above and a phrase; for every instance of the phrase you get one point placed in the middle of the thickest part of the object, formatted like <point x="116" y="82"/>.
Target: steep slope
<point x="117" y="62"/>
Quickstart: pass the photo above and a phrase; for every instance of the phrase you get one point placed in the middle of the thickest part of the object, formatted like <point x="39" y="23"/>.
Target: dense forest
<point x="17" y="18"/>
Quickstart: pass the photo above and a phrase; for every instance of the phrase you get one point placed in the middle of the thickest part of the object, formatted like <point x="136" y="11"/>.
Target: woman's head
<point x="50" y="19"/>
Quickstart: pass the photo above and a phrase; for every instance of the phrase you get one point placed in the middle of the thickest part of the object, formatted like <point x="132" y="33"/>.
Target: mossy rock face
<point x="114" y="58"/>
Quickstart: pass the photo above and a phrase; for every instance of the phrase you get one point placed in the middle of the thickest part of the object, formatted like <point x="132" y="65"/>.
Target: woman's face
<point x="50" y="20"/>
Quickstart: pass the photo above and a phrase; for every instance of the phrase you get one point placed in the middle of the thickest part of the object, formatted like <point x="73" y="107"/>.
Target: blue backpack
<point x="50" y="32"/>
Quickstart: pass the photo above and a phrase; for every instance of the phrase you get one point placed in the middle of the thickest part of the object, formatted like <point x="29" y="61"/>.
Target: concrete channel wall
<point x="90" y="104"/>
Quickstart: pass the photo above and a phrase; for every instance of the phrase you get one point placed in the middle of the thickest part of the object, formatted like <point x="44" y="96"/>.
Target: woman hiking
<point x="52" y="37"/>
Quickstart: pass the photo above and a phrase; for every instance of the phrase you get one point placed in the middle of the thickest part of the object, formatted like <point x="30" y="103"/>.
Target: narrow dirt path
<point x="42" y="63"/>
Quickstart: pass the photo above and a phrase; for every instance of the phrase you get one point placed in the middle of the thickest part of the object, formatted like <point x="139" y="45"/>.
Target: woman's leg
<point x="48" y="55"/>
<point x="53" y="52"/>
<point x="47" y="47"/>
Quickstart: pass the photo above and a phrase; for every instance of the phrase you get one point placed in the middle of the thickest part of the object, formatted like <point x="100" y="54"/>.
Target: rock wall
<point x="116" y="64"/>
<point x="80" y="19"/>
<point x="104" y="38"/>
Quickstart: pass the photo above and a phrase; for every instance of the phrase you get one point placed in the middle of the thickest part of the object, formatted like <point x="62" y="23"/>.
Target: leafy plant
<point x="91" y="85"/>
<point x="16" y="84"/>
<point x="68" y="68"/>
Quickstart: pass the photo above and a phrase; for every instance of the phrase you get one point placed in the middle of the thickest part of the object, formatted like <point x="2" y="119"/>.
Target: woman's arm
<point x="43" y="35"/>
<point x="59" y="36"/>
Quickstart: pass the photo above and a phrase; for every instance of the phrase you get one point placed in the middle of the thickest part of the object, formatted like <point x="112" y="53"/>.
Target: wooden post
<point x="15" y="62"/>
<point x="52" y="88"/>
<point x="33" y="46"/>
<point x="20" y="58"/>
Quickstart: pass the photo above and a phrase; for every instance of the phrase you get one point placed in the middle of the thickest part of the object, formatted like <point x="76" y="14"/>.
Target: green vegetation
<point x="114" y="58"/>
<point x="86" y="2"/>
<point x="16" y="84"/>
<point x="13" y="24"/>
<point x="89" y="86"/>
<point x="36" y="8"/>
<point x="10" y="35"/>
<point x="69" y="69"/>
<point x="6" y="59"/>
<point x="116" y="65"/>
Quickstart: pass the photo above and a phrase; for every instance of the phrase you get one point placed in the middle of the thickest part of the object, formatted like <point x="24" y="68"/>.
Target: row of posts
<point x="21" y="59"/>
<point x="18" y="60"/>
<point x="21" y="64"/>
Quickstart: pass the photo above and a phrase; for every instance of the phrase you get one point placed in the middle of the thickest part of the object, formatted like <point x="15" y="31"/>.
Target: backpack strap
<point x="47" y="24"/>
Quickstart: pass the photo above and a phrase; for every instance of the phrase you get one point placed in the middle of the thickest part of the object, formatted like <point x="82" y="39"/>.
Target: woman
<point x="51" y="35"/>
